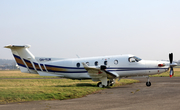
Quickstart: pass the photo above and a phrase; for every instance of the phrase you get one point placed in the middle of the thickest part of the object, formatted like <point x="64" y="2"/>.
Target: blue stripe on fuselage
<point x="63" y="67"/>
<point x="82" y="70"/>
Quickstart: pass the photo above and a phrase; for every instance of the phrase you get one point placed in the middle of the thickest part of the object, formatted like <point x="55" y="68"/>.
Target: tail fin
<point x="23" y="57"/>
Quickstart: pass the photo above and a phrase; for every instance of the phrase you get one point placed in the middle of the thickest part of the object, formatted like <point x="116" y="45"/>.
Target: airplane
<point x="104" y="69"/>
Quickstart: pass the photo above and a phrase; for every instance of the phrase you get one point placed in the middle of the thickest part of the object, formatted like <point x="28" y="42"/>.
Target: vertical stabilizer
<point x="23" y="57"/>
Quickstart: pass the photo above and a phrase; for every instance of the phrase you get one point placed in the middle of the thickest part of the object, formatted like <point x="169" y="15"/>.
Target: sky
<point x="149" y="29"/>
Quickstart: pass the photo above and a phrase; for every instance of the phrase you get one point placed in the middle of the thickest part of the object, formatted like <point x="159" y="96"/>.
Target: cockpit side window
<point x="131" y="59"/>
<point x="134" y="59"/>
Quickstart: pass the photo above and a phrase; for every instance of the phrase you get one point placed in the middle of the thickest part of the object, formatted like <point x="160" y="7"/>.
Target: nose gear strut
<point x="148" y="83"/>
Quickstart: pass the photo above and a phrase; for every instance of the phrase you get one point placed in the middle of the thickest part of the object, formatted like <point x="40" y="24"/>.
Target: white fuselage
<point x="73" y="68"/>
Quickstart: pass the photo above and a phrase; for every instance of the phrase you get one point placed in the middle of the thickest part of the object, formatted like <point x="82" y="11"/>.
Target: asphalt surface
<point x="164" y="94"/>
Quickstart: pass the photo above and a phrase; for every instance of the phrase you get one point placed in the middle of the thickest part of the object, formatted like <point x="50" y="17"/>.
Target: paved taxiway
<point x="164" y="94"/>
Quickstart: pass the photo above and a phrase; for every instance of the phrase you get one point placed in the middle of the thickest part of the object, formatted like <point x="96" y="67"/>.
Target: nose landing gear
<point x="148" y="83"/>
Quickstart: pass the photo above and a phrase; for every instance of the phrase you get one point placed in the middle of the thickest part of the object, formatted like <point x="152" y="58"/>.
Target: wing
<point x="99" y="72"/>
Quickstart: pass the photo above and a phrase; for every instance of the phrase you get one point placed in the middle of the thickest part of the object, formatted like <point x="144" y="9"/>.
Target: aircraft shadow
<point x="85" y="84"/>
<point x="78" y="85"/>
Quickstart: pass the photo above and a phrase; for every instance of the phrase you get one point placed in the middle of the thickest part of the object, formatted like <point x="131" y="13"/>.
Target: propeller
<point x="171" y="65"/>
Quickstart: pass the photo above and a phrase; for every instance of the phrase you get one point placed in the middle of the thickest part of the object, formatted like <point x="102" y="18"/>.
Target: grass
<point x="166" y="74"/>
<point x="177" y="66"/>
<point x="18" y="74"/>
<point x="20" y="90"/>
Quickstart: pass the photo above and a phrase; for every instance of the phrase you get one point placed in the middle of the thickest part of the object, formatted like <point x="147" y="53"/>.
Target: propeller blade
<point x="171" y="66"/>
<point x="171" y="58"/>
<point x="171" y="72"/>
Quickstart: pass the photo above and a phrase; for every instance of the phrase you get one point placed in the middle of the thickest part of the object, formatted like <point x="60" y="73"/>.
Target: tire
<point x="110" y="83"/>
<point x="100" y="85"/>
<point x="148" y="84"/>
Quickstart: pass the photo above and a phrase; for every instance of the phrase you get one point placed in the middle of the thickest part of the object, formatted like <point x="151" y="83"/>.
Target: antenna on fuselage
<point x="77" y="56"/>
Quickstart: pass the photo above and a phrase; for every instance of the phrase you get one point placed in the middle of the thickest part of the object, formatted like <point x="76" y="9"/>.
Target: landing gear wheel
<point x="110" y="82"/>
<point x="100" y="85"/>
<point x="148" y="84"/>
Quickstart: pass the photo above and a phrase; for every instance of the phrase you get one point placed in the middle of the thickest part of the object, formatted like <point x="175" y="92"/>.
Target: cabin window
<point x="115" y="62"/>
<point x="105" y="62"/>
<point x="87" y="63"/>
<point x="96" y="63"/>
<point x="78" y="65"/>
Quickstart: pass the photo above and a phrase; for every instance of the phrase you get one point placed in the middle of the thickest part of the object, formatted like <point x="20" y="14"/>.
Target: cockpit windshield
<point x="134" y="59"/>
<point x="137" y="58"/>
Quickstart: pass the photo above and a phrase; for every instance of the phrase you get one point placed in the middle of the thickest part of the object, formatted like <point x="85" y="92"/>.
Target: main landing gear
<point x="148" y="83"/>
<point x="100" y="85"/>
<point x="110" y="82"/>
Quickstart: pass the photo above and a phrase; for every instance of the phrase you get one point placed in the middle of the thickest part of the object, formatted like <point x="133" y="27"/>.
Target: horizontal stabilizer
<point x="17" y="46"/>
